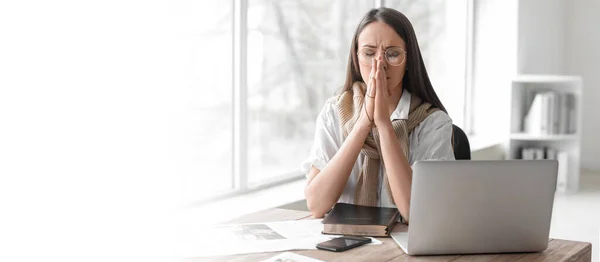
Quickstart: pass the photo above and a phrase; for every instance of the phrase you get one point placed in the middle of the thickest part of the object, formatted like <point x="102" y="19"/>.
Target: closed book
<point x="549" y="96"/>
<point x="550" y="119"/>
<point x="572" y="123"/>
<point x="550" y="153"/>
<point x="555" y="113"/>
<point x="539" y="154"/>
<point x="349" y="219"/>
<point x="563" y="118"/>
<point x="562" y="178"/>
<point x="528" y="153"/>
<point x="533" y="119"/>
<point x="524" y="153"/>
<point x="545" y="109"/>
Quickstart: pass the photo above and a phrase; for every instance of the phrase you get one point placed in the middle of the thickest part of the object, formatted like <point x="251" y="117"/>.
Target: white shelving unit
<point x="524" y="88"/>
<point x="560" y="137"/>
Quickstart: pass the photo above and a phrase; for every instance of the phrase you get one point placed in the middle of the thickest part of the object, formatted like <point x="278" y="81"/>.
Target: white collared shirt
<point x="430" y="140"/>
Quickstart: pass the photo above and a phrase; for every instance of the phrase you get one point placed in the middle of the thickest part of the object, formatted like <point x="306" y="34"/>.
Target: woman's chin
<point x="393" y="89"/>
<point x="390" y="91"/>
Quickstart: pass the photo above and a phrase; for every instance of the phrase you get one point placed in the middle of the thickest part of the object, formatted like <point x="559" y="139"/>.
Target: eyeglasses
<point x="395" y="56"/>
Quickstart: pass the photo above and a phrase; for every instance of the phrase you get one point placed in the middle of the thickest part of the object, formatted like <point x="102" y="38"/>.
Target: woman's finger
<point x="381" y="75"/>
<point x="373" y="90"/>
<point x="378" y="73"/>
<point x="372" y="69"/>
<point x="371" y="84"/>
<point x="380" y="68"/>
<point x="383" y="78"/>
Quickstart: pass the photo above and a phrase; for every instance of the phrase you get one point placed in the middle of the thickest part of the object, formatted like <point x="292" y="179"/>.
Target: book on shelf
<point x="572" y="115"/>
<point x="563" y="171"/>
<point x="551" y="153"/>
<point x="533" y="119"/>
<point x="528" y="154"/>
<point x="349" y="219"/>
<point x="563" y="114"/>
<point x="545" y="116"/>
<point x="539" y="154"/>
<point x="551" y="113"/>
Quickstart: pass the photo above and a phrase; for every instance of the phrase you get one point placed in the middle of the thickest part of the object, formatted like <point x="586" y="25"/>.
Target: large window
<point x="277" y="62"/>
<point x="208" y="113"/>
<point x="297" y="53"/>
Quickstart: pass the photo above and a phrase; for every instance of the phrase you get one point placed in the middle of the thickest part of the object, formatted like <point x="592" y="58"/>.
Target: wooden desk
<point x="558" y="250"/>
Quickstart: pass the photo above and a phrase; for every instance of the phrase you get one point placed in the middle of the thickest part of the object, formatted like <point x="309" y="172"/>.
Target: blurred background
<point x="122" y="122"/>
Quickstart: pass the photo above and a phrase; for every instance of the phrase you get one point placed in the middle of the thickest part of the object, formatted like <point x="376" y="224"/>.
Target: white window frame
<point x="469" y="72"/>
<point x="240" y="96"/>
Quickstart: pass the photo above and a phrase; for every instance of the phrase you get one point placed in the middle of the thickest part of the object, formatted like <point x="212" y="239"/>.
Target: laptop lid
<point x="461" y="207"/>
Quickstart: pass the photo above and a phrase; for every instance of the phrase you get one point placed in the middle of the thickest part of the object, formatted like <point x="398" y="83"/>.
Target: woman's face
<point x="375" y="39"/>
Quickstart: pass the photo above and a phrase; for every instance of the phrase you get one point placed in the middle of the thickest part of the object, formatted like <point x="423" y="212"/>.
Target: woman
<point x="387" y="117"/>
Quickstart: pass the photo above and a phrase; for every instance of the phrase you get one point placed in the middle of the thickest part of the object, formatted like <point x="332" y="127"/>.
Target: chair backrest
<point x="462" y="149"/>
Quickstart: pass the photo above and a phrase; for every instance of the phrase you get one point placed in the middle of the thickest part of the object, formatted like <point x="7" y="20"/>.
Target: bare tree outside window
<point x="297" y="58"/>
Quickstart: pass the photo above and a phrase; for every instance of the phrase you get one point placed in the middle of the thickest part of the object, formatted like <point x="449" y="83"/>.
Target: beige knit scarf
<point x="349" y="106"/>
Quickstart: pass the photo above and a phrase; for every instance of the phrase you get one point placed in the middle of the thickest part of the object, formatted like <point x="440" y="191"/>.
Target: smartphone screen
<point x="343" y="243"/>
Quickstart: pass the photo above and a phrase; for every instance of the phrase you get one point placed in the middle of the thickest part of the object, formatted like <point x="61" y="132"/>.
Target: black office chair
<point x="462" y="149"/>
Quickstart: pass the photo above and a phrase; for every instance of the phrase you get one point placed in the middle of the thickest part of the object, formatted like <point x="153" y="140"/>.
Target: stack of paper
<point x="289" y="256"/>
<point x="248" y="238"/>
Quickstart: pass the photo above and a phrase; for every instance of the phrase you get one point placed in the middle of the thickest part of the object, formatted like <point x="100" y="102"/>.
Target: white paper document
<point x="289" y="256"/>
<point x="257" y="238"/>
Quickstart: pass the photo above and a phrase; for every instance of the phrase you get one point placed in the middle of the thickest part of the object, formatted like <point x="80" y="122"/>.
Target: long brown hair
<point x="416" y="79"/>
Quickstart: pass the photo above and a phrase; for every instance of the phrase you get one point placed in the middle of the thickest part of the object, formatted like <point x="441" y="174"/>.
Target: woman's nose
<point x="384" y="61"/>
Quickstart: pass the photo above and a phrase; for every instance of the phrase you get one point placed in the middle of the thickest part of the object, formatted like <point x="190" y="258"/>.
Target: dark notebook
<point x="348" y="219"/>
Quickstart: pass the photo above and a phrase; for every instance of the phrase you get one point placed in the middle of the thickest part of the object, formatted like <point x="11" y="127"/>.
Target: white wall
<point x="582" y="45"/>
<point x="495" y="64"/>
<point x="541" y="45"/>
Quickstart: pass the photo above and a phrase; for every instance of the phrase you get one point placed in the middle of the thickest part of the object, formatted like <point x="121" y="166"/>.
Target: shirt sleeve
<point x="327" y="138"/>
<point x="434" y="136"/>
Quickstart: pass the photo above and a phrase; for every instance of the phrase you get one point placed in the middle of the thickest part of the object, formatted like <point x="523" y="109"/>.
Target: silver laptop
<point x="468" y="207"/>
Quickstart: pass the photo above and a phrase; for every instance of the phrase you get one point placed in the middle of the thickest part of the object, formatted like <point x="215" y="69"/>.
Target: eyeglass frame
<point x="385" y="51"/>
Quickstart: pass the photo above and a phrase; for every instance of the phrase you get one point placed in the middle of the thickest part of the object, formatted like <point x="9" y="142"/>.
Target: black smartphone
<point x="343" y="243"/>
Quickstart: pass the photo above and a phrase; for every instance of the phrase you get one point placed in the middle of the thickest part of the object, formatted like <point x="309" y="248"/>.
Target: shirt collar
<point x="401" y="111"/>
